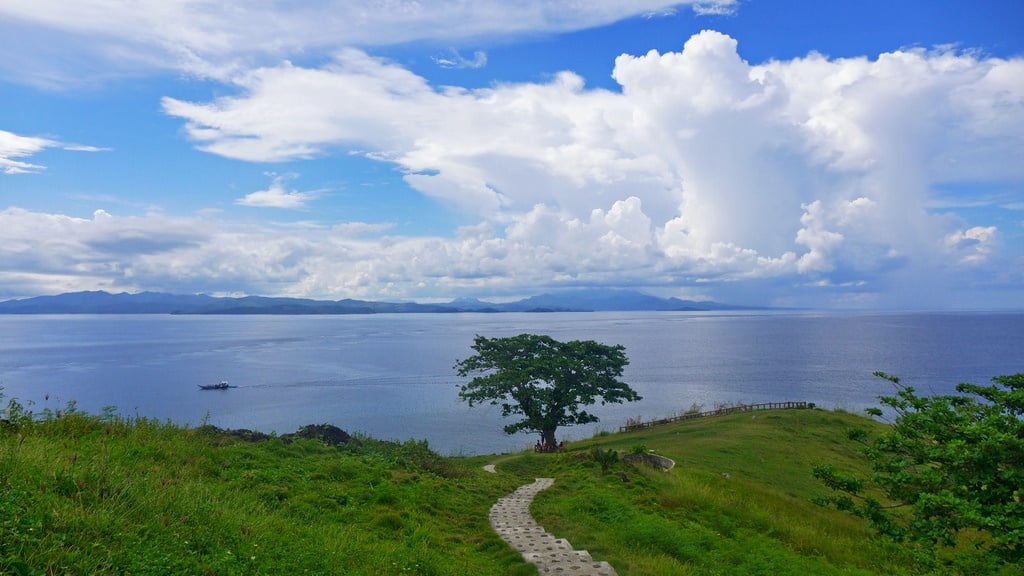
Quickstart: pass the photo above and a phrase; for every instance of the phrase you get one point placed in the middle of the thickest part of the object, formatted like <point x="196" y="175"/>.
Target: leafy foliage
<point x="948" y="464"/>
<point x="544" y="380"/>
<point x="606" y="458"/>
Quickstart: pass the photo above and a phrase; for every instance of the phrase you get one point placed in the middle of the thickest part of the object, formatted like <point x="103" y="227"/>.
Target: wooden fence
<point x="634" y="426"/>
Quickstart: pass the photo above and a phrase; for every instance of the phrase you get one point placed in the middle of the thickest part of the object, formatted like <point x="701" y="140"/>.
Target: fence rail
<point x="634" y="426"/>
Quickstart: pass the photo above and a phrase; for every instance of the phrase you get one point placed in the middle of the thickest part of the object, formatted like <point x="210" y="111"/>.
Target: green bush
<point x="605" y="458"/>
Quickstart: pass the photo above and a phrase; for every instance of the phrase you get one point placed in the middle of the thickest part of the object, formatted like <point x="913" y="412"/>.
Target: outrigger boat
<point x="222" y="385"/>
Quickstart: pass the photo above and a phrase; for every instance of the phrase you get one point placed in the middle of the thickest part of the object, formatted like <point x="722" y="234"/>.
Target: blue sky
<point x="823" y="154"/>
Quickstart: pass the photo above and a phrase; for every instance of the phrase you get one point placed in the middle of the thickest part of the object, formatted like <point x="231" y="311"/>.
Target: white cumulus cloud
<point x="974" y="245"/>
<point x="701" y="167"/>
<point x="277" y="196"/>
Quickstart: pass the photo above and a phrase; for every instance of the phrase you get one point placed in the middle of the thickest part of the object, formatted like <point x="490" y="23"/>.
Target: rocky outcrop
<point x="326" y="433"/>
<point x="652" y="460"/>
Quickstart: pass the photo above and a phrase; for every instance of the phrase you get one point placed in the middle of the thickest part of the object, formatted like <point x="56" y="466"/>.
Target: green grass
<point x="83" y="494"/>
<point x="737" y="502"/>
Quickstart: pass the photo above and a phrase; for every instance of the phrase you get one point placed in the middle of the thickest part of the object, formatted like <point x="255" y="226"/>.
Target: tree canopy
<point x="544" y="381"/>
<point x="948" y="464"/>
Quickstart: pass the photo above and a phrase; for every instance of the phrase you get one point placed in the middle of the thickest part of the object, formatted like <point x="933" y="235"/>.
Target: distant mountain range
<point x="582" y="300"/>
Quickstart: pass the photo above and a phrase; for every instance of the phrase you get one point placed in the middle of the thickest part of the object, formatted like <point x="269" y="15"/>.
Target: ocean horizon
<point x="390" y="375"/>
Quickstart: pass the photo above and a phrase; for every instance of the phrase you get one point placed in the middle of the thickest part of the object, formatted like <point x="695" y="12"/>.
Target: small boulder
<point x="652" y="460"/>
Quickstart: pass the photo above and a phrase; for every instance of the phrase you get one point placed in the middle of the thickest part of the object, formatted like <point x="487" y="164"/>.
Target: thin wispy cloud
<point x="85" y="148"/>
<point x="709" y="8"/>
<point x="15" y="150"/>
<point x="354" y="229"/>
<point x="456" y="60"/>
<point x="220" y="38"/>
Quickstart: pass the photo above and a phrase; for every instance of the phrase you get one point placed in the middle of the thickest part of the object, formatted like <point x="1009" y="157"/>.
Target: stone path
<point x="510" y="518"/>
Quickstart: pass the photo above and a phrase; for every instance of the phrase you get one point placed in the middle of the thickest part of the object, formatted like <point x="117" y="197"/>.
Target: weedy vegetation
<point x="81" y="494"/>
<point x="84" y="494"/>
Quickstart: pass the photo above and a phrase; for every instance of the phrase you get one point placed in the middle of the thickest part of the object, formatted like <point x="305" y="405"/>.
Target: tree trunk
<point x="549" y="440"/>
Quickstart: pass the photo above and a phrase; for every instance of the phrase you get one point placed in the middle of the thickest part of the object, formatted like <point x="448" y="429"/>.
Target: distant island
<point x="581" y="300"/>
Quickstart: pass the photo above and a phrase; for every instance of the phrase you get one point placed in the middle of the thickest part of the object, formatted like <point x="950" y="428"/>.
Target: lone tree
<point x="948" y="464"/>
<point x="544" y="380"/>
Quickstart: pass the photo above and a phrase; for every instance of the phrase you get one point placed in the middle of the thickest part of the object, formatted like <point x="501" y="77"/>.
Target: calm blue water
<point x="391" y="376"/>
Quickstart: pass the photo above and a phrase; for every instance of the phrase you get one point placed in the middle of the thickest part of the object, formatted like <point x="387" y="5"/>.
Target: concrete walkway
<point x="510" y="518"/>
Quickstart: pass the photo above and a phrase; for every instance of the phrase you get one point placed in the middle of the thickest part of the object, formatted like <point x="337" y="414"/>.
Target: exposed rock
<point x="652" y="460"/>
<point x="238" y="434"/>
<point x="326" y="433"/>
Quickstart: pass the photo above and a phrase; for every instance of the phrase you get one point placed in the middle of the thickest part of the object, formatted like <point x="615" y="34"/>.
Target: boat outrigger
<point x="222" y="385"/>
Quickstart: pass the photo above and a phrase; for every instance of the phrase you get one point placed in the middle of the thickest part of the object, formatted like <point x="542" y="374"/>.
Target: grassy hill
<point x="84" y="494"/>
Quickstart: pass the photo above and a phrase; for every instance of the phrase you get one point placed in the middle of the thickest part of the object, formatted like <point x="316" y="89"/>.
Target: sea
<point x="391" y="376"/>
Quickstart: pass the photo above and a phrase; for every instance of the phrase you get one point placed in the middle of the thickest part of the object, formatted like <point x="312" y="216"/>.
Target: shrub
<point x="606" y="458"/>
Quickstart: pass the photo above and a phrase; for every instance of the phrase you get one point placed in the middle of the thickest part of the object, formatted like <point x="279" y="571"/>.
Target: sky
<point x="835" y="155"/>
